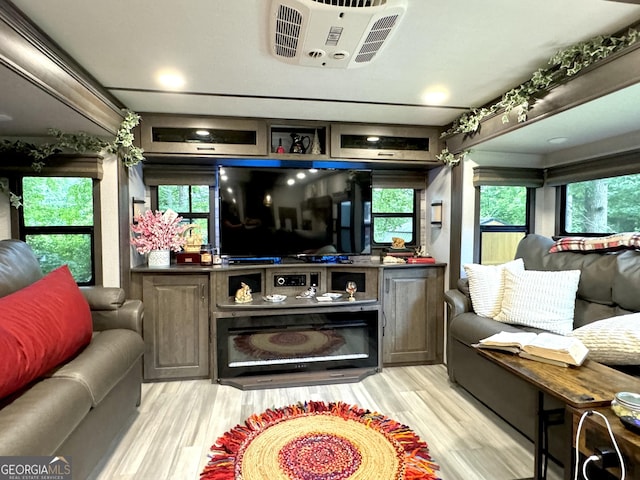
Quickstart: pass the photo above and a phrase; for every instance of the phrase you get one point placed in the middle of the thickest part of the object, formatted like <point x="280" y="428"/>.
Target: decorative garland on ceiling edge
<point x="563" y="65"/>
<point x="122" y="146"/>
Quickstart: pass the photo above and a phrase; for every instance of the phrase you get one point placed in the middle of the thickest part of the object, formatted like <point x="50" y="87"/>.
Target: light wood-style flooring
<point x="178" y="422"/>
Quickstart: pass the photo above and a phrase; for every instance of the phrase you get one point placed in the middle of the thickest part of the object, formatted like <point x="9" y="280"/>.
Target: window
<point x="601" y="206"/>
<point x="504" y="221"/>
<point x="192" y="202"/>
<point x="57" y="221"/>
<point x="394" y="215"/>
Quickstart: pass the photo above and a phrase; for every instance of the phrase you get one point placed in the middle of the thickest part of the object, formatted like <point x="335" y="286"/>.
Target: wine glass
<point x="351" y="289"/>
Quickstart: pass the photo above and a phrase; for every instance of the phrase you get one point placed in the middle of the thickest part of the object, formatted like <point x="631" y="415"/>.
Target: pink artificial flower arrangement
<point x="158" y="231"/>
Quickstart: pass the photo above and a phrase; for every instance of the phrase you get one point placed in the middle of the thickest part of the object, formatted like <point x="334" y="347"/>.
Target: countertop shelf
<point x="259" y="302"/>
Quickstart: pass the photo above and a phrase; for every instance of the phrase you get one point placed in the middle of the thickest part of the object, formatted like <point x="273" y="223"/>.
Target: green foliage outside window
<point x="58" y="221"/>
<point x="607" y="205"/>
<point x="503" y="205"/>
<point x="393" y="211"/>
<point x="189" y="201"/>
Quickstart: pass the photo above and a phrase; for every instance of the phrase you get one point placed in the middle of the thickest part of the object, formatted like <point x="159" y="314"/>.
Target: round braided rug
<point x="320" y="441"/>
<point x="289" y="344"/>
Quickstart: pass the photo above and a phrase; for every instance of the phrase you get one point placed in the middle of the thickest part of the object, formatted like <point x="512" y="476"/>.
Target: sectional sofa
<point x="70" y="362"/>
<point x="603" y="316"/>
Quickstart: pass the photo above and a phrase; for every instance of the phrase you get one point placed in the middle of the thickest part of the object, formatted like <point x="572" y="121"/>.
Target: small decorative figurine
<point x="243" y="294"/>
<point x="397" y="242"/>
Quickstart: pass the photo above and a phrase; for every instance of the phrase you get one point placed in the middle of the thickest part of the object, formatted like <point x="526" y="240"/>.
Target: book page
<point x="515" y="339"/>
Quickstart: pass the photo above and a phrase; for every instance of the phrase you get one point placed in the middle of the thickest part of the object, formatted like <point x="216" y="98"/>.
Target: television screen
<point x="283" y="212"/>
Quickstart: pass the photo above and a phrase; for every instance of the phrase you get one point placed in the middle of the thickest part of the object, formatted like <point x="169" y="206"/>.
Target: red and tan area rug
<point x="320" y="441"/>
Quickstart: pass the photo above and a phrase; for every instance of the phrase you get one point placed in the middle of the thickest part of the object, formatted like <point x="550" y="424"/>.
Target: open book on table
<point x="544" y="347"/>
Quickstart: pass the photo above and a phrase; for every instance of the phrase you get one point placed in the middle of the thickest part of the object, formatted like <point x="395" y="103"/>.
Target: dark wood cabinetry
<point x="176" y="326"/>
<point x="400" y="307"/>
<point x="413" y="315"/>
<point x="175" y="134"/>
<point x="382" y="142"/>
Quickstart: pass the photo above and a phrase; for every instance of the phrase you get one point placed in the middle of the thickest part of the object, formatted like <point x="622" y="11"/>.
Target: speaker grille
<point x="288" y="23"/>
<point x="353" y="3"/>
<point x="375" y="39"/>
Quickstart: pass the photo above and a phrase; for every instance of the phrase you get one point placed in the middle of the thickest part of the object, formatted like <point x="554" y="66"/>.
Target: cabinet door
<point x="203" y="135"/>
<point x="413" y="315"/>
<point x="176" y="326"/>
<point x="381" y="142"/>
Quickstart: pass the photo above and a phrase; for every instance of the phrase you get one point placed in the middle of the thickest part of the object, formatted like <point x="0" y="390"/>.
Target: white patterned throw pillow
<point x="486" y="285"/>
<point x="612" y="341"/>
<point x="540" y="299"/>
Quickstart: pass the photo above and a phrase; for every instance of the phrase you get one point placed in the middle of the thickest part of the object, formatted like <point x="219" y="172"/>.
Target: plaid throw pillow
<point x="610" y="243"/>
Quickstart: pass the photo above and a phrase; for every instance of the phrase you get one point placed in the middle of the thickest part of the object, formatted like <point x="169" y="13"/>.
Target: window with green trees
<point x="57" y="222"/>
<point x="192" y="202"/>
<point x="602" y="206"/>
<point x="393" y="212"/>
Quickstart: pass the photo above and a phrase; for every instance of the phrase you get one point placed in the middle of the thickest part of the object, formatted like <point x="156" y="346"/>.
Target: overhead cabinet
<point x="381" y="142"/>
<point x="169" y="134"/>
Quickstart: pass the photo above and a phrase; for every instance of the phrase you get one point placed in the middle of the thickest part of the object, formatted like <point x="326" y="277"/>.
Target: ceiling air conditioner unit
<point x="332" y="33"/>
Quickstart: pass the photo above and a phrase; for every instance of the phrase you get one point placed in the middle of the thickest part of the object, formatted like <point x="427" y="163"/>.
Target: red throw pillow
<point x="41" y="326"/>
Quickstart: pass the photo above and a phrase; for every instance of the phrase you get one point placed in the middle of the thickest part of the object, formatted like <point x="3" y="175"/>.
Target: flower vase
<point x="159" y="258"/>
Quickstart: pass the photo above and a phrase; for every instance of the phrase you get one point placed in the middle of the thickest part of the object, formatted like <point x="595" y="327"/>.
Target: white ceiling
<point x="473" y="50"/>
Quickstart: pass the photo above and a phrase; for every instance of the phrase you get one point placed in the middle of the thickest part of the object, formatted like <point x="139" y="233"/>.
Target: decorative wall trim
<point x="607" y="76"/>
<point x="27" y="51"/>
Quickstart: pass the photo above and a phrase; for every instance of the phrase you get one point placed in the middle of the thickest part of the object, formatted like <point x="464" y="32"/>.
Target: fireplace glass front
<point x="286" y="343"/>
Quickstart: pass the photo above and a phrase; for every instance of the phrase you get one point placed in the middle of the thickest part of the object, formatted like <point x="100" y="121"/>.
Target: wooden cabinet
<point x="176" y="326"/>
<point x="382" y="142"/>
<point x="171" y="134"/>
<point x="413" y="315"/>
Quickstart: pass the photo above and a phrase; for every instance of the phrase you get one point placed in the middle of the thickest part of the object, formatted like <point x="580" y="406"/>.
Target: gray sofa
<point x="609" y="286"/>
<point x="77" y="409"/>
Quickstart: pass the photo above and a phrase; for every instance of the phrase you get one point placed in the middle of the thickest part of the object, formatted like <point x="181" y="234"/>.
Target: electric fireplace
<point x="290" y="342"/>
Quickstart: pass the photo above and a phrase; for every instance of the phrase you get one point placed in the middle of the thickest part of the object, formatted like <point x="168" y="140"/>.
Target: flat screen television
<point x="287" y="212"/>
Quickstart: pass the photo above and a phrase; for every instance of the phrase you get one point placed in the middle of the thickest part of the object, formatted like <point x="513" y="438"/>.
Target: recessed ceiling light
<point x="171" y="79"/>
<point x="557" y="140"/>
<point x="202" y="133"/>
<point x="436" y="96"/>
<point x="300" y="175"/>
<point x="373" y="139"/>
<point x="291" y="181"/>
<point x="313" y="170"/>
<point x="5" y="118"/>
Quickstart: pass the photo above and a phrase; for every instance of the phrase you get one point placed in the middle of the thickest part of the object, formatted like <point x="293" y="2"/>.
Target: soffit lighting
<point x="300" y="175"/>
<point x="202" y="133"/>
<point x="373" y="139"/>
<point x="291" y="181"/>
<point x="313" y="170"/>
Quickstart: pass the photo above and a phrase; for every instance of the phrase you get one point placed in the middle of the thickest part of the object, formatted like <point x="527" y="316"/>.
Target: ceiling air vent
<point x="332" y="33"/>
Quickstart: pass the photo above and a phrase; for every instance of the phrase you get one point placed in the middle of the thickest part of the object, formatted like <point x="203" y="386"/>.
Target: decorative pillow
<point x="41" y="326"/>
<point x="613" y="341"/>
<point x="610" y="243"/>
<point x="540" y="299"/>
<point x="486" y="285"/>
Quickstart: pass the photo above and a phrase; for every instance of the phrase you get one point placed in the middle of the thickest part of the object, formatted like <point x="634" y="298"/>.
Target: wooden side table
<point x="591" y="386"/>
